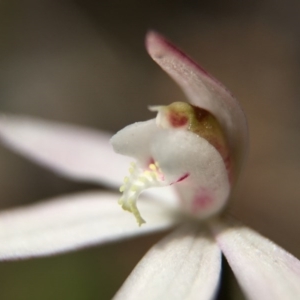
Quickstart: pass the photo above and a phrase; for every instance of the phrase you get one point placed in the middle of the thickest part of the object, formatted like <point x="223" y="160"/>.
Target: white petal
<point x="134" y="140"/>
<point x="179" y="153"/>
<point x="263" y="269"/>
<point x="203" y="91"/>
<point x="206" y="189"/>
<point x="166" y="195"/>
<point x="76" y="152"/>
<point x="185" y="265"/>
<point x="72" y="222"/>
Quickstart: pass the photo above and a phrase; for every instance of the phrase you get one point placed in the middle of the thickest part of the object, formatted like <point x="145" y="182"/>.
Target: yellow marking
<point x="152" y="167"/>
<point x="126" y="208"/>
<point x="153" y="175"/>
<point x="134" y="188"/>
<point x="136" y="212"/>
<point x="142" y="179"/>
<point x="137" y="181"/>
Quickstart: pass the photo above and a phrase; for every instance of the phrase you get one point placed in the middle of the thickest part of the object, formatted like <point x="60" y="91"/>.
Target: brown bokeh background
<point x="84" y="62"/>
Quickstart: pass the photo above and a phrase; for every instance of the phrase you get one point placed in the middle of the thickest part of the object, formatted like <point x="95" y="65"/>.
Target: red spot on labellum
<point x="151" y="161"/>
<point x="181" y="178"/>
<point x="177" y="119"/>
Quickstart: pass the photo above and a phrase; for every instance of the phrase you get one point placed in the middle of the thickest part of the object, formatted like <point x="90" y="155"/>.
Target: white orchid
<point x="187" y="159"/>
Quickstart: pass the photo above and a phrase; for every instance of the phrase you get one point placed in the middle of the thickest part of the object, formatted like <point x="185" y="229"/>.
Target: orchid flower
<point x="186" y="163"/>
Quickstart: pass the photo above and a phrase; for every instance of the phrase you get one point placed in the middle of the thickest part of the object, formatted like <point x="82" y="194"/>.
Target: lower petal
<point x="71" y="222"/>
<point x="263" y="269"/>
<point x="184" y="265"/>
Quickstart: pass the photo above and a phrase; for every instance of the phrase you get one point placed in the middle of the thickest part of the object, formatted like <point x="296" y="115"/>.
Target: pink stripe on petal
<point x="74" y="221"/>
<point x="75" y="152"/>
<point x="263" y="269"/>
<point x="203" y="91"/>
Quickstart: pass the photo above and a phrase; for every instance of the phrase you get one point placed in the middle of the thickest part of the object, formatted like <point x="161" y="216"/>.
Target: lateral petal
<point x="76" y="152"/>
<point x="263" y="269"/>
<point x="203" y="91"/>
<point x="184" y="265"/>
<point x="71" y="222"/>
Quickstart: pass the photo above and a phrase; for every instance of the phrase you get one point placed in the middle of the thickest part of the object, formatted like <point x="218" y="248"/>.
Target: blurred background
<point x="84" y="62"/>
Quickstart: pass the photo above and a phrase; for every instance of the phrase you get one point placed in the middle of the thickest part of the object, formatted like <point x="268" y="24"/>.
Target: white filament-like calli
<point x="263" y="269"/>
<point x="205" y="92"/>
<point x="70" y="222"/>
<point x="185" y="265"/>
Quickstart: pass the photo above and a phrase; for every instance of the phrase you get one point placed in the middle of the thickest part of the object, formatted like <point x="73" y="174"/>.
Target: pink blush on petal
<point x="201" y="202"/>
